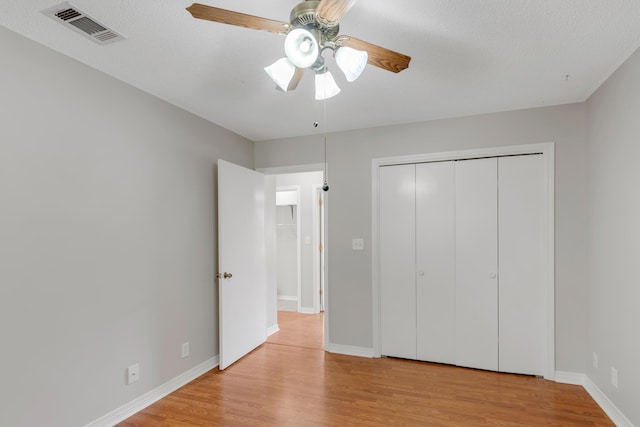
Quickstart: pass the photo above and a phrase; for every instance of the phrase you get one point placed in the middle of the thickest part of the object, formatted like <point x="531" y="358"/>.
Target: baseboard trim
<point x="272" y="329"/>
<point x="125" y="411"/>
<point x="287" y="303"/>
<point x="607" y="406"/>
<point x="350" y="350"/>
<point x="618" y="418"/>
<point x="138" y="404"/>
<point x="573" y="378"/>
<point x="307" y="311"/>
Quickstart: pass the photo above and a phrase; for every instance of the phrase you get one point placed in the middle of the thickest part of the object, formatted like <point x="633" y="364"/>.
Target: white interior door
<point x="397" y="261"/>
<point x="435" y="262"/>
<point x="477" y="264"/>
<point x="241" y="256"/>
<point x="522" y="290"/>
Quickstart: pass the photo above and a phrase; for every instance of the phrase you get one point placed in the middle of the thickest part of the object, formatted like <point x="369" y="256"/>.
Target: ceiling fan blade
<point x="293" y="83"/>
<point x="332" y="11"/>
<point x="230" y="17"/>
<point x="297" y="76"/>
<point x="378" y="56"/>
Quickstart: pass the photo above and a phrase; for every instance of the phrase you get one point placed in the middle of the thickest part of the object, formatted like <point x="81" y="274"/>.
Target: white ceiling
<point x="468" y="57"/>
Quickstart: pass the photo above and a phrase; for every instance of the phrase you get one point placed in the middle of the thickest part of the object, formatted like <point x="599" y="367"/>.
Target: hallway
<point x="299" y="330"/>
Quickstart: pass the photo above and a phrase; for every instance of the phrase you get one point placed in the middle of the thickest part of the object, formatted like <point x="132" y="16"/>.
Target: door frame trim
<point x="317" y="240"/>
<point x="313" y="167"/>
<point x="548" y="152"/>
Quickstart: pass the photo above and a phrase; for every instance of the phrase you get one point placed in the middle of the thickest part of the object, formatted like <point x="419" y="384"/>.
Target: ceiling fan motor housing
<point x="304" y="16"/>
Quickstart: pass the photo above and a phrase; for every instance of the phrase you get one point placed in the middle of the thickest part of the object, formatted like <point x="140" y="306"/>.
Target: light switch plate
<point x="357" y="244"/>
<point x="185" y="349"/>
<point x="133" y="373"/>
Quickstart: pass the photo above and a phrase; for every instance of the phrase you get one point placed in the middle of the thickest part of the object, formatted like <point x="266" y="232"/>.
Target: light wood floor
<point x="299" y="330"/>
<point x="290" y="381"/>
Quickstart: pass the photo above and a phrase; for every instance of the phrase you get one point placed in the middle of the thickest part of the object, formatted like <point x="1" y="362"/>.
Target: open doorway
<point x="299" y="330"/>
<point x="300" y="223"/>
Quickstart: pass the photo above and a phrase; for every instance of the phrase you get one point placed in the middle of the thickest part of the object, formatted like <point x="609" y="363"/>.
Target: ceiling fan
<point x="314" y="27"/>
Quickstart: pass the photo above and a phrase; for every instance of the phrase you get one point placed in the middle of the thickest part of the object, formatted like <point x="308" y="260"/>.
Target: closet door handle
<point x="492" y="275"/>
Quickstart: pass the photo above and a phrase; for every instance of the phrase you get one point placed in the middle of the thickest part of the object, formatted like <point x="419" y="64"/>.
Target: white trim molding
<point x="573" y="378"/>
<point x="316" y="197"/>
<point x="618" y="418"/>
<point x="612" y="411"/>
<point x="273" y="329"/>
<point x="287" y="303"/>
<point x="349" y="350"/>
<point x="125" y="411"/>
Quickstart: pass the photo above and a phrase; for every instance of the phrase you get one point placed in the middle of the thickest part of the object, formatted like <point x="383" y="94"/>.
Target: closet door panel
<point x="397" y="261"/>
<point x="476" y="264"/>
<point x="522" y="293"/>
<point x="435" y="262"/>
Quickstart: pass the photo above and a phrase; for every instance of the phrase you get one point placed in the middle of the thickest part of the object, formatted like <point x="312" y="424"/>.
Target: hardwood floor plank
<point x="300" y="330"/>
<point x="281" y="384"/>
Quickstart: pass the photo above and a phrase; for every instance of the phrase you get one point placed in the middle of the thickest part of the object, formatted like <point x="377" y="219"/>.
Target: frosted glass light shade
<point x="326" y="86"/>
<point x="351" y="61"/>
<point x="281" y="72"/>
<point x="301" y="47"/>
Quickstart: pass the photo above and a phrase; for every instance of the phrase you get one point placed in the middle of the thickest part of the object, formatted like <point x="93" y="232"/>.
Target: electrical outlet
<point x="133" y="373"/>
<point x="614" y="377"/>
<point x="357" y="244"/>
<point x="595" y="360"/>
<point x="185" y="349"/>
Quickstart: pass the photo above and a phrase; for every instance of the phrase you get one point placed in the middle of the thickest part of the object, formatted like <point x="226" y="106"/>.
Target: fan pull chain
<point x="325" y="185"/>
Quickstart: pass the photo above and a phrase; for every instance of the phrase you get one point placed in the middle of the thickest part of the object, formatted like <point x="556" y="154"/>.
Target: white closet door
<point x="435" y="262"/>
<point x="397" y="261"/>
<point x="522" y="292"/>
<point x="476" y="264"/>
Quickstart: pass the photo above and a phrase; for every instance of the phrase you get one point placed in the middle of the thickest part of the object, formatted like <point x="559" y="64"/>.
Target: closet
<point x="461" y="262"/>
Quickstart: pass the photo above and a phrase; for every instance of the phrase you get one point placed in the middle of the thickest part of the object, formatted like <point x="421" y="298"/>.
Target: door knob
<point x="225" y="275"/>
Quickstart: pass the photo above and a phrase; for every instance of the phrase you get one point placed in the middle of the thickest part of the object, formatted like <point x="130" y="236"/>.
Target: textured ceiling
<point x="469" y="57"/>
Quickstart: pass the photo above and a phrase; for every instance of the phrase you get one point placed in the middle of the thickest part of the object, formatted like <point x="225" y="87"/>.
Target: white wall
<point x="614" y="236"/>
<point x="287" y="250"/>
<point x="349" y="159"/>
<point x="107" y="253"/>
<point x="306" y="181"/>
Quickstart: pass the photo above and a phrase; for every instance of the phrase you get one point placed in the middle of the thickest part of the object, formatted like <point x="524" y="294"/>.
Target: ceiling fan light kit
<point x="314" y="27"/>
<point x="351" y="61"/>
<point x="326" y="86"/>
<point x="282" y="72"/>
<point x="302" y="48"/>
